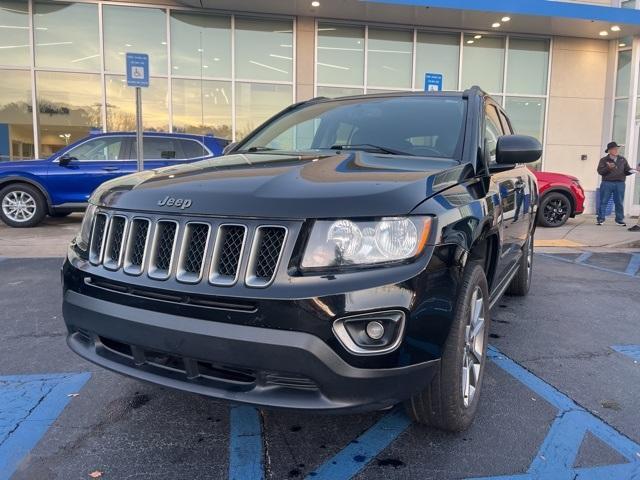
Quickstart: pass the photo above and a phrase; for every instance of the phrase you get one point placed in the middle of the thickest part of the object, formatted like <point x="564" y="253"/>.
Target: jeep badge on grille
<point x="181" y="203"/>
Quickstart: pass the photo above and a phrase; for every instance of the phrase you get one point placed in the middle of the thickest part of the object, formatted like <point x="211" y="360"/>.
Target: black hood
<point x="349" y="184"/>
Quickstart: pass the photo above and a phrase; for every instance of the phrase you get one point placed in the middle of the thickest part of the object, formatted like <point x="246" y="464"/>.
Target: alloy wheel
<point x="556" y="211"/>
<point x="19" y="206"/>
<point x="473" y="354"/>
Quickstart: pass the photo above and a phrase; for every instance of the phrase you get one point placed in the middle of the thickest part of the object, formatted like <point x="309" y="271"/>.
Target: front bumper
<point x="239" y="363"/>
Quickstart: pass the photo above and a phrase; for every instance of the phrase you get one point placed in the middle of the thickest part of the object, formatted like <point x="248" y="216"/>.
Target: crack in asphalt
<point x="28" y="414"/>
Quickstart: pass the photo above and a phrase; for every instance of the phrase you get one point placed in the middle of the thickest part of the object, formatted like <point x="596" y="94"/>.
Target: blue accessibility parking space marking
<point x="29" y="404"/>
<point x="632" y="351"/>
<point x="634" y="264"/>
<point x="245" y="447"/>
<point x="630" y="271"/>
<point x="557" y="455"/>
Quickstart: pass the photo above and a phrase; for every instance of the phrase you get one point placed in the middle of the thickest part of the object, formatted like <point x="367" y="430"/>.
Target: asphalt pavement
<point x="560" y="399"/>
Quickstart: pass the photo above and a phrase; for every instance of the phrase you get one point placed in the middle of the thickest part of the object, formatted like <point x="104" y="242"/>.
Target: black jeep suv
<point x="344" y="256"/>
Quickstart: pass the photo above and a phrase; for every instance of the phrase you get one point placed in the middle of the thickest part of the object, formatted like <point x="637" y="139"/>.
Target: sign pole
<point x="139" y="140"/>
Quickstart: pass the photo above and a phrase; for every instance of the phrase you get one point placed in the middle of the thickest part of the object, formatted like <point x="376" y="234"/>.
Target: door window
<point x="193" y="149"/>
<point x="100" y="149"/>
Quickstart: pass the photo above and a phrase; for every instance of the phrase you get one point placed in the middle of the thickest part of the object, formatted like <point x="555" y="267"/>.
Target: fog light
<point x="375" y="330"/>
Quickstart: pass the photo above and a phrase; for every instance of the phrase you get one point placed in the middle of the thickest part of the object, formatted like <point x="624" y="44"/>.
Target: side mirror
<point x="229" y="147"/>
<point x="66" y="160"/>
<point x="513" y="149"/>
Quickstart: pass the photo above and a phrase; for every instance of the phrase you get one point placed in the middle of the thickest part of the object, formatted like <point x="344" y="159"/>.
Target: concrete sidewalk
<point x="583" y="233"/>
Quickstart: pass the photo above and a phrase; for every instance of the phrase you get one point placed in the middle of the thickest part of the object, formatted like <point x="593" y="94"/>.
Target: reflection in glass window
<point x="333" y="92"/>
<point x="483" y="62"/>
<point x="121" y="105"/>
<point x="256" y="102"/>
<point x="389" y="58"/>
<point x="526" y="115"/>
<point x="528" y="66"/>
<point x="200" y="45"/>
<point x="133" y="29"/>
<point x="623" y="78"/>
<point x="620" y="110"/>
<point x="340" y="54"/>
<point x="67" y="35"/>
<point x="103" y="148"/>
<point x="14" y="33"/>
<point x="264" y="49"/>
<point x="202" y="107"/>
<point x="16" y="125"/>
<point x="438" y="53"/>
<point x="69" y="108"/>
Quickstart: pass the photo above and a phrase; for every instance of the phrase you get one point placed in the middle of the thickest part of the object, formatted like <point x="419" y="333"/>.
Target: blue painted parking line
<point x="557" y="455"/>
<point x="29" y="404"/>
<point x="634" y="265"/>
<point x="245" y="447"/>
<point x="583" y="257"/>
<point x="588" y="265"/>
<point x="355" y="456"/>
<point x="632" y="351"/>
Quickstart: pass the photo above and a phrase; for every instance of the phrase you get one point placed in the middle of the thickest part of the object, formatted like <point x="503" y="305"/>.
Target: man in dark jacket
<point x="614" y="169"/>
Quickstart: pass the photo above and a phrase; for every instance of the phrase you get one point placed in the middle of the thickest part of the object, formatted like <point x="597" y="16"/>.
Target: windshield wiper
<point x="369" y="146"/>
<point x="257" y="149"/>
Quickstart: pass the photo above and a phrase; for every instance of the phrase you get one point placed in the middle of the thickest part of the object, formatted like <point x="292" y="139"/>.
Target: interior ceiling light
<point x="615" y="28"/>
<point x="496" y="25"/>
<point x="477" y="37"/>
<point x="315" y="4"/>
<point x="622" y="44"/>
<point x="604" y="33"/>
<point x="506" y="19"/>
<point x="470" y="41"/>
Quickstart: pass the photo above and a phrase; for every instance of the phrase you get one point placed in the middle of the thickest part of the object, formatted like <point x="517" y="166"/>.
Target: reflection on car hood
<point x="349" y="184"/>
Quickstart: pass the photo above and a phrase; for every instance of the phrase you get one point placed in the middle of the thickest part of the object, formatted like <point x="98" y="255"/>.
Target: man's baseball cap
<point x="611" y="145"/>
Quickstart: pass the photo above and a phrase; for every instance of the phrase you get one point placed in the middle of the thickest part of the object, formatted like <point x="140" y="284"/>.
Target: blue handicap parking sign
<point x="137" y="69"/>
<point x="433" y="82"/>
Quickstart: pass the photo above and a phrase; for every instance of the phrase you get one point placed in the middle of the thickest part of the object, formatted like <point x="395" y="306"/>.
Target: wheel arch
<point x="4" y="182"/>
<point x="485" y="251"/>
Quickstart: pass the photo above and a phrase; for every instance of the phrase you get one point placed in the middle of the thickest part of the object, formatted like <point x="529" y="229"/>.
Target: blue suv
<point x="61" y="184"/>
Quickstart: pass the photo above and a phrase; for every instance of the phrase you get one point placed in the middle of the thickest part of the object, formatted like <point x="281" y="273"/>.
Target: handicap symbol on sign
<point x="137" y="72"/>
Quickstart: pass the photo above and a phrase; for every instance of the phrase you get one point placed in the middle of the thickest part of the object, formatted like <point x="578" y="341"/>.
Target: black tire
<point x="61" y="214"/>
<point x="32" y="198"/>
<point x="555" y="209"/>
<point x="443" y="404"/>
<point x="519" y="286"/>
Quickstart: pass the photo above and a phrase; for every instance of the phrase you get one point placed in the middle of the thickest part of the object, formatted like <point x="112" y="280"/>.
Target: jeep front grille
<point x="184" y="250"/>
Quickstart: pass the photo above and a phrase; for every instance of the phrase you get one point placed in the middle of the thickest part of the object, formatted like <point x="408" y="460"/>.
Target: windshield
<point x="416" y="125"/>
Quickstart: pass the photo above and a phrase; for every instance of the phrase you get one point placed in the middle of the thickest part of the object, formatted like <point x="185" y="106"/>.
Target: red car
<point x="561" y="197"/>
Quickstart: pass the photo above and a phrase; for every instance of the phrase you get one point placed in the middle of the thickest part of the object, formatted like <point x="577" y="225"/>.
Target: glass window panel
<point x="121" y="105"/>
<point x="264" y="49"/>
<point x="438" y="53"/>
<point x="256" y="102"/>
<point x="333" y="92"/>
<point x="14" y="33"/>
<point x="67" y="35"/>
<point x="528" y="66"/>
<point x="483" y="63"/>
<point x="390" y="61"/>
<point x="103" y="148"/>
<point x="136" y="30"/>
<point x="201" y="45"/>
<point x="373" y="91"/>
<point x="16" y="125"/>
<point x="526" y="115"/>
<point x="620" y="110"/>
<point x="202" y="107"/>
<point x="623" y="77"/>
<point x="340" y="54"/>
<point x="69" y="108"/>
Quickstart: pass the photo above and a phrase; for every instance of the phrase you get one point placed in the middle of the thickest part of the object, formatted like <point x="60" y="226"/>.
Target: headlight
<point x="349" y="242"/>
<point x="82" y="239"/>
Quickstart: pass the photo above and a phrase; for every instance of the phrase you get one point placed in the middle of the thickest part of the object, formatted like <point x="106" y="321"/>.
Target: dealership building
<point x="566" y="72"/>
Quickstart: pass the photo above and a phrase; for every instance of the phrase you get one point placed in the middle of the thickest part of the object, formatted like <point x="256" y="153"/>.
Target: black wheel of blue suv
<point x="451" y="399"/>
<point x="22" y="205"/>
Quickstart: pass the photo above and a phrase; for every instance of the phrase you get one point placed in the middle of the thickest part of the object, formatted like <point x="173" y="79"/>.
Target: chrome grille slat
<point x="193" y="252"/>
<point x="227" y="254"/>
<point x="268" y="243"/>
<point x="182" y="249"/>
<point x="137" y="246"/>
<point x="98" y="233"/>
<point x="163" y="249"/>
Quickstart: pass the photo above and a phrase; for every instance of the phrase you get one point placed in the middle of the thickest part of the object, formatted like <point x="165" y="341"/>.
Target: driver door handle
<point x="110" y="169"/>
